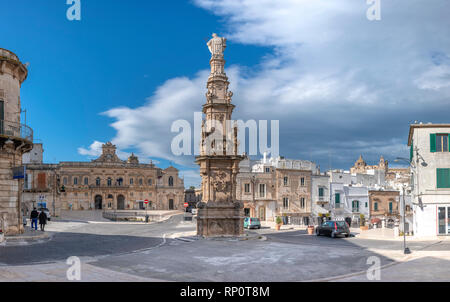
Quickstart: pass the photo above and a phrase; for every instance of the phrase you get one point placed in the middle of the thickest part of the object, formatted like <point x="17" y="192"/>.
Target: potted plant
<point x="278" y="222"/>
<point x="362" y="223"/>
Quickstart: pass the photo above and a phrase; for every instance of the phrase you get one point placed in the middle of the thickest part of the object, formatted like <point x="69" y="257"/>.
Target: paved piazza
<point x="168" y="251"/>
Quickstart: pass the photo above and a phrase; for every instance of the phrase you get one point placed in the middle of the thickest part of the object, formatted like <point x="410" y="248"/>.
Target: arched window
<point x="140" y="181"/>
<point x="86" y="181"/>
<point x="65" y="180"/>
<point x="75" y="181"/>
<point x="109" y="182"/>
<point x="98" y="182"/>
<point x="150" y="182"/>
<point x="120" y="182"/>
<point x="170" y="181"/>
<point x="131" y="181"/>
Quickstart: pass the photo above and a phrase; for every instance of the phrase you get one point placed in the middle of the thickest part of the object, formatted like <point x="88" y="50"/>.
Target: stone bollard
<point x="396" y="231"/>
<point x="383" y="223"/>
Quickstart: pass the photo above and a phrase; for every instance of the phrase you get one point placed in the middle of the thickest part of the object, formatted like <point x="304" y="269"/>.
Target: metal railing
<point x="16" y="130"/>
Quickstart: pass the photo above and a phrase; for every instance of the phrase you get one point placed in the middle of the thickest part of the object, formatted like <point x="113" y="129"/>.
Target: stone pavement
<point x="388" y="234"/>
<point x="420" y="267"/>
<point x="57" y="272"/>
<point x="30" y="236"/>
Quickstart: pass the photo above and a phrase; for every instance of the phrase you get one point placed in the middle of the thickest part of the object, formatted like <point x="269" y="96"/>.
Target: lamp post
<point x="406" y="250"/>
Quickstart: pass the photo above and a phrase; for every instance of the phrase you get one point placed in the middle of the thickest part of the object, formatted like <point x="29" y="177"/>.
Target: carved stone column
<point x="219" y="213"/>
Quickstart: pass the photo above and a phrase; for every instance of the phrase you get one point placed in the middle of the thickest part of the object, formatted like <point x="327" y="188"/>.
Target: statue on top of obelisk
<point x="217" y="45"/>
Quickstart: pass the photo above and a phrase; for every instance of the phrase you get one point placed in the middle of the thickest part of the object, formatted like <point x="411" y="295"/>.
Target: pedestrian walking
<point x="34" y="219"/>
<point x="42" y="220"/>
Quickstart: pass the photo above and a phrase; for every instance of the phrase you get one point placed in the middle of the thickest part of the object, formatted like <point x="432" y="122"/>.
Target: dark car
<point x="333" y="229"/>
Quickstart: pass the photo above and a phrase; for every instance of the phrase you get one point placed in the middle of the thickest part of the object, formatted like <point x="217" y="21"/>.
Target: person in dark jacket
<point x="42" y="220"/>
<point x="34" y="218"/>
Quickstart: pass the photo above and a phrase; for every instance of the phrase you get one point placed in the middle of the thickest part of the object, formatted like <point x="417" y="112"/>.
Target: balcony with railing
<point x="16" y="131"/>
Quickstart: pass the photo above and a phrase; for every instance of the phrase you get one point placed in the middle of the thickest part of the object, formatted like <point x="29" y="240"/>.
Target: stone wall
<point x="10" y="213"/>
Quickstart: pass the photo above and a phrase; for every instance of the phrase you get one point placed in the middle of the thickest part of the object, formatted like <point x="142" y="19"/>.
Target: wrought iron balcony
<point x="15" y="131"/>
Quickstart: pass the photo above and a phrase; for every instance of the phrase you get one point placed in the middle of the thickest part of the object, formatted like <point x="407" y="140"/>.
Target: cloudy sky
<point x="339" y="84"/>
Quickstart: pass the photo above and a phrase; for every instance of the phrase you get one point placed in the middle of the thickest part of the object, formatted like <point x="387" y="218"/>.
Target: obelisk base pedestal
<point x="220" y="219"/>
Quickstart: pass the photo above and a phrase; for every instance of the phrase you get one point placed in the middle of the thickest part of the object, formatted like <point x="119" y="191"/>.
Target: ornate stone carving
<point x="217" y="45"/>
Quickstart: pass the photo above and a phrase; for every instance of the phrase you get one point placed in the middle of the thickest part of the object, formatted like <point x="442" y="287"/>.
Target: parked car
<point x="46" y="211"/>
<point x="252" y="223"/>
<point x="333" y="228"/>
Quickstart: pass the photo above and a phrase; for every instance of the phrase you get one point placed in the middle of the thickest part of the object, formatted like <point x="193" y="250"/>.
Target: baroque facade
<point x="105" y="183"/>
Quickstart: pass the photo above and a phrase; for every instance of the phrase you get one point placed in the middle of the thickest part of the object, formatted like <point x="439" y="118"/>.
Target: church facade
<point x="107" y="183"/>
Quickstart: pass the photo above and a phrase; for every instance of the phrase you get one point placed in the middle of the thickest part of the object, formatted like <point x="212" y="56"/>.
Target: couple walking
<point x="35" y="216"/>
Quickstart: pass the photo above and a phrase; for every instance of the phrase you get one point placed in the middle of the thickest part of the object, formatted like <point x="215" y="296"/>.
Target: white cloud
<point x="94" y="150"/>
<point x="334" y="79"/>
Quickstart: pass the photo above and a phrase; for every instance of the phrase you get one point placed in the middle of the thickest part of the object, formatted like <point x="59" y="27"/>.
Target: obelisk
<point x="219" y="213"/>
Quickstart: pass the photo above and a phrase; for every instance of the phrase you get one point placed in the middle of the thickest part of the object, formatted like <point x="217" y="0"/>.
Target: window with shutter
<point x="432" y="142"/>
<point x="411" y="152"/>
<point x="443" y="178"/>
<point x="41" y="181"/>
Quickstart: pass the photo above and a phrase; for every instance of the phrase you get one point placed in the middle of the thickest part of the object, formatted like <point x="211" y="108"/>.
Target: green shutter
<point x="338" y="198"/>
<point x="411" y="152"/>
<point x="443" y="178"/>
<point x="433" y="142"/>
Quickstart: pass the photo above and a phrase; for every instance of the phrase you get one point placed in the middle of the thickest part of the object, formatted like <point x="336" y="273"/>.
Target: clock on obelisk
<point x="219" y="213"/>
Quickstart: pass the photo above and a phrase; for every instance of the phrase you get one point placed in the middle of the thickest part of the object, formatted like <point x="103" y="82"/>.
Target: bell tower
<point x="219" y="214"/>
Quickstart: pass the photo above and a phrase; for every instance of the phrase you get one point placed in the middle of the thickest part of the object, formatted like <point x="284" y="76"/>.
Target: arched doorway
<point x="170" y="204"/>
<point x="120" y="202"/>
<point x="98" y="202"/>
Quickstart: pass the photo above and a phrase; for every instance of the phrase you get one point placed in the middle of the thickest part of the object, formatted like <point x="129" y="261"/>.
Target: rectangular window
<point x="443" y="178"/>
<point x="302" y="202"/>
<point x="42" y="184"/>
<point x="286" y="181"/>
<point x="375" y="206"/>
<point x="390" y="207"/>
<point x="262" y="190"/>
<point x="285" y="203"/>
<point x="267" y="170"/>
<point x="439" y="142"/>
<point x="247" y="188"/>
<point x="75" y="181"/>
<point x="337" y="198"/>
<point x="320" y="192"/>
<point x="302" y="181"/>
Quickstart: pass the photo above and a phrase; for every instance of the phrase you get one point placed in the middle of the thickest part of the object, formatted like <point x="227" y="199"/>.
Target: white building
<point x="320" y="194"/>
<point x="430" y="160"/>
<point x="349" y="201"/>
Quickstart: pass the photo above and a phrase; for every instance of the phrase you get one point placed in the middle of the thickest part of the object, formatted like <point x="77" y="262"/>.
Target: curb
<point x="404" y="260"/>
<point x="25" y="240"/>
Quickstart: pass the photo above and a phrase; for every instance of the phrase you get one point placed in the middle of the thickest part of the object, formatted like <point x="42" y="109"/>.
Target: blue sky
<point x="338" y="83"/>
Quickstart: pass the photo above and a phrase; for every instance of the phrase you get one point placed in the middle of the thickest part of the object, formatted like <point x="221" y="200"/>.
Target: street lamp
<point x="405" y="248"/>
